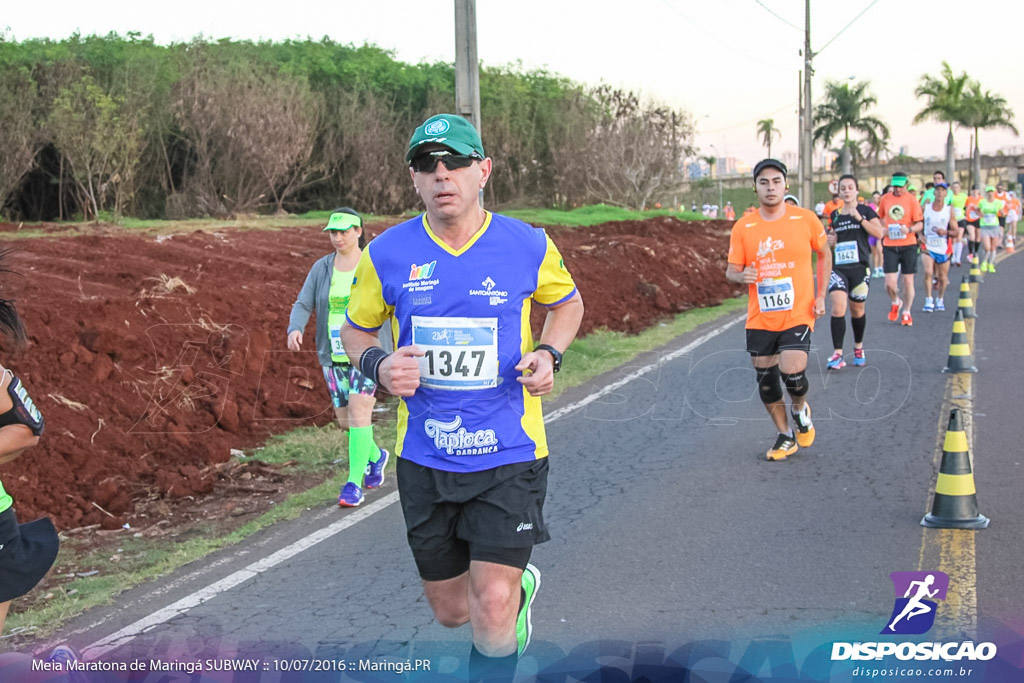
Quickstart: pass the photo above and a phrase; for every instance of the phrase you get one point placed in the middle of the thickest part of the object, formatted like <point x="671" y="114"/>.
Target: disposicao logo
<point x="916" y="603"/>
<point x="422" y="272"/>
<point x="916" y="595"/>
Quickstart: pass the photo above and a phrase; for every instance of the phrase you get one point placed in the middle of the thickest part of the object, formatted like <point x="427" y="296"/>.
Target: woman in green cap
<point x="326" y="291"/>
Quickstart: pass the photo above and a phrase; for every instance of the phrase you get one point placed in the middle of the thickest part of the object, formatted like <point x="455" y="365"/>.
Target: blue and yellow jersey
<point x="469" y="311"/>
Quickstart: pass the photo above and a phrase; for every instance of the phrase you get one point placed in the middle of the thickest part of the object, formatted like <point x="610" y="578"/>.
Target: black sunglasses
<point x="427" y="163"/>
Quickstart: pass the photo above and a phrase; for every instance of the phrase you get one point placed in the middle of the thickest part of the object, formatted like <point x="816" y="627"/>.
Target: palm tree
<point x="984" y="110"/>
<point x="945" y="104"/>
<point x="843" y="108"/>
<point x="767" y="130"/>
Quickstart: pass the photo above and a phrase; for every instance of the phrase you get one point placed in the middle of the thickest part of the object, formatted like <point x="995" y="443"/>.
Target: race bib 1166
<point x="775" y="295"/>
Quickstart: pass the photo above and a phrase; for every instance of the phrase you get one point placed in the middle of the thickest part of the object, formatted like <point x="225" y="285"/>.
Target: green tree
<point x="945" y="104"/>
<point x="767" y="130"/>
<point x="984" y="110"/>
<point x="99" y="141"/>
<point x="17" y="121"/>
<point x="844" y="107"/>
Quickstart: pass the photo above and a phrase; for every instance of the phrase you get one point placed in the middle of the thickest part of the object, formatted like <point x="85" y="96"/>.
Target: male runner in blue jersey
<point x="457" y="284"/>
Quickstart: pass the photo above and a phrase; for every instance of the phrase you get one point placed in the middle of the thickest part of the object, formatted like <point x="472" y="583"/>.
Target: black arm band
<point x="369" y="362"/>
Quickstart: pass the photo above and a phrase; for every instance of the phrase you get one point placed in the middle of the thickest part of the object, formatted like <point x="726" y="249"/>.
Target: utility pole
<point x="467" y="67"/>
<point x="807" y="160"/>
<point x="467" y="64"/>
<point x="800" y="132"/>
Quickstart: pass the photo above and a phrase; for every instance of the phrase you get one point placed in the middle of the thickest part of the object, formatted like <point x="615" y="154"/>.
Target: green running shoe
<point x="524" y="624"/>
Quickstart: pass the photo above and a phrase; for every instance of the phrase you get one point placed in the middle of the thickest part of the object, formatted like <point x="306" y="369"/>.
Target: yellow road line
<point x="952" y="551"/>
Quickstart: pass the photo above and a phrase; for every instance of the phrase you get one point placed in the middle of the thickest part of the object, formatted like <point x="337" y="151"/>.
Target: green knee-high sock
<point x="360" y="441"/>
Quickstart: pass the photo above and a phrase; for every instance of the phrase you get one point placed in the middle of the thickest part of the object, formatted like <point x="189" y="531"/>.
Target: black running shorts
<point x="896" y="259"/>
<point x="451" y="518"/>
<point x="853" y="280"/>
<point x="769" y="343"/>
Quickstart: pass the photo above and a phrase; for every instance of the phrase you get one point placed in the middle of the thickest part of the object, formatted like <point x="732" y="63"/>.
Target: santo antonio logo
<point x="916" y="596"/>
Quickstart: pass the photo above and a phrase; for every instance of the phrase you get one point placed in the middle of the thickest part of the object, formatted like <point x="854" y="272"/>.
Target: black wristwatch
<point x="556" y="356"/>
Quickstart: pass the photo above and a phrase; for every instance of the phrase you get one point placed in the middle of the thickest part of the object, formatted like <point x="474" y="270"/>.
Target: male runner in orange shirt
<point x="770" y="250"/>
<point x="902" y="219"/>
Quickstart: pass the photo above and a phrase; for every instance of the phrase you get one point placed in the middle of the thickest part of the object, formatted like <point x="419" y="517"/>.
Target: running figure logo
<point x="914" y="612"/>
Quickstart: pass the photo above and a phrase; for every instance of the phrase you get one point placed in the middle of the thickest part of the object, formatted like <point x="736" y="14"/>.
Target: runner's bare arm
<point x="399" y="373"/>
<point x="14" y="439"/>
<point x="824" y="270"/>
<point x="874" y="228"/>
<point x="560" y="328"/>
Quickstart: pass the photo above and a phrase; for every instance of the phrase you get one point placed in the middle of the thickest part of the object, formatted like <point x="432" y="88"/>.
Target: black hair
<point x="941" y="173"/>
<point x="10" y="322"/>
<point x="848" y="176"/>
<point x="929" y="186"/>
<point x="887" y="189"/>
<point x="352" y="212"/>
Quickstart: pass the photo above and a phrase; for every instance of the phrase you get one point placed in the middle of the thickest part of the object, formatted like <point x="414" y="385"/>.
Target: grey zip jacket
<point x="314" y="296"/>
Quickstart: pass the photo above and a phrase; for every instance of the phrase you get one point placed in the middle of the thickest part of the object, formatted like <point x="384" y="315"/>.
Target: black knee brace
<point x="796" y="384"/>
<point x="768" y="384"/>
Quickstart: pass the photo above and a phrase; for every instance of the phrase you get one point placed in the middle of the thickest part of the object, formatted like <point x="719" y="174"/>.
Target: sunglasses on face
<point x="427" y="163"/>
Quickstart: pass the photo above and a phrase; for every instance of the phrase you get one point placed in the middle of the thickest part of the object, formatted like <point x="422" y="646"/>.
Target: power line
<point x="718" y="40"/>
<point x="777" y="16"/>
<point x="873" y="3"/>
<point x="746" y="123"/>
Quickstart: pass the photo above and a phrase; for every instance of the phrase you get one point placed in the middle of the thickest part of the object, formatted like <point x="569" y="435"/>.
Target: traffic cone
<point x="960" y="359"/>
<point x="974" y="278"/>
<point x="966" y="304"/>
<point x="955" y="505"/>
<point x="975" y="274"/>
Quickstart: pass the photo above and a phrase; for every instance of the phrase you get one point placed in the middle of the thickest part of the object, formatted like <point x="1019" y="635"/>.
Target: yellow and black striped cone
<point x="966" y="303"/>
<point x="960" y="359"/>
<point x="975" y="273"/>
<point x="955" y="505"/>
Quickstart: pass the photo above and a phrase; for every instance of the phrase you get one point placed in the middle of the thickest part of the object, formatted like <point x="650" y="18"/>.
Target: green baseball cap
<point x="341" y="220"/>
<point x="450" y="130"/>
<point x="899" y="179"/>
<point x="990" y="188"/>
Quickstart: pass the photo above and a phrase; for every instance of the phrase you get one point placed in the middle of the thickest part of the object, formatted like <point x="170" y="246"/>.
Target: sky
<point x="729" y="63"/>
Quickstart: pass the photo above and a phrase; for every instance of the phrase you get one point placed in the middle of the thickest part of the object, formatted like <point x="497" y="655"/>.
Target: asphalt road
<point x="672" y="533"/>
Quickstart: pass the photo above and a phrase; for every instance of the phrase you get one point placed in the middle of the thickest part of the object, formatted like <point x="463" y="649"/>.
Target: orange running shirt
<point x="783" y="296"/>
<point x="832" y="206"/>
<point x="903" y="210"/>
<point x="971" y="209"/>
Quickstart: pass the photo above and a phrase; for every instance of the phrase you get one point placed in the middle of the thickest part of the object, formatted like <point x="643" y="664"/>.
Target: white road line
<point x="115" y="640"/>
<point x="135" y="629"/>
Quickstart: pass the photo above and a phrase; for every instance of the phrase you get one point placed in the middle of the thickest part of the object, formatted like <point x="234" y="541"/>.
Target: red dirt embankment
<point x="152" y="357"/>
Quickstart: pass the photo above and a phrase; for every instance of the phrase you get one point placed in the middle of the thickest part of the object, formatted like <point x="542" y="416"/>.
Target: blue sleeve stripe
<point x="358" y="327"/>
<point x="562" y="300"/>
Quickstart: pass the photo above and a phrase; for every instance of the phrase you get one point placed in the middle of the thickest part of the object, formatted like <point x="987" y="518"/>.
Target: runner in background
<point x="789" y="199"/>
<point x="852" y="225"/>
<point x="876" y="243"/>
<point x="957" y="199"/>
<point x="990" y="209"/>
<point x="972" y="217"/>
<point x="770" y="251"/>
<point x="940" y="229"/>
<point x="326" y="291"/>
<point x="729" y="212"/>
<point x="901" y="217"/>
<point x="1013" y="213"/>
<point x="831" y="207"/>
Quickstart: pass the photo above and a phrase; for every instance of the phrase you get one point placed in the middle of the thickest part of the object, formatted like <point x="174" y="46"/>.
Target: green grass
<point x="586" y="216"/>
